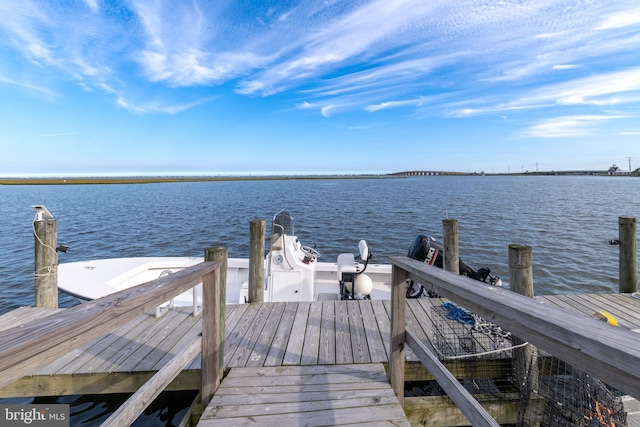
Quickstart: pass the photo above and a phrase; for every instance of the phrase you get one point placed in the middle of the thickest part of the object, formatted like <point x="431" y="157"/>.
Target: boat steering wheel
<point x="310" y="252"/>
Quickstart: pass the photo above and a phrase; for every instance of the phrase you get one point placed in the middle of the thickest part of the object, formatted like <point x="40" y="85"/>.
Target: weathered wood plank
<point x="344" y="353"/>
<point x="129" y="411"/>
<point x="24" y="315"/>
<point x="377" y="351"/>
<point x="278" y="347"/>
<point x="359" y="345"/>
<point x="260" y="350"/>
<point x="234" y="337"/>
<point x="154" y="338"/>
<point x="440" y="411"/>
<point x="246" y="346"/>
<point x="384" y="325"/>
<point x="269" y="396"/>
<point x="626" y="307"/>
<point x="327" y="405"/>
<point x="305" y="395"/>
<point x="327" y="351"/>
<point x="312" y="335"/>
<point x="301" y="389"/>
<point x="86" y="358"/>
<point x="391" y="414"/>
<point x="293" y="354"/>
<point x="188" y="336"/>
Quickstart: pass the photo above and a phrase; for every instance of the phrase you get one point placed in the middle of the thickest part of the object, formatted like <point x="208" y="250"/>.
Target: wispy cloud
<point x="621" y="20"/>
<point x="566" y="66"/>
<point x="155" y="107"/>
<point x="567" y="126"/>
<point x="602" y="90"/>
<point x="32" y="87"/>
<point x="55" y="135"/>
<point x="450" y="58"/>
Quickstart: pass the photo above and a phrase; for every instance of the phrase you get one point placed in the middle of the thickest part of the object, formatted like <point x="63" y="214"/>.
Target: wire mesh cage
<point x="561" y="395"/>
<point x="459" y="333"/>
<point x="548" y="391"/>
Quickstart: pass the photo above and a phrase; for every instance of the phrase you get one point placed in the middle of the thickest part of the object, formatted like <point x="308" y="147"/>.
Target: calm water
<point x="568" y="221"/>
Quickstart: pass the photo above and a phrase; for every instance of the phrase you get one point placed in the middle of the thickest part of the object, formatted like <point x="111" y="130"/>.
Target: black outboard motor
<point x="427" y="249"/>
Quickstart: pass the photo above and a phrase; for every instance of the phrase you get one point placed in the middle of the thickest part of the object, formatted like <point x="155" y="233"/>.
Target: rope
<point x="48" y="270"/>
<point x="466" y="356"/>
<point x="458" y="314"/>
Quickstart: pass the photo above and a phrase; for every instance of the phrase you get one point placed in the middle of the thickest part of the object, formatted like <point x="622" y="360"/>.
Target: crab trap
<point x="458" y="333"/>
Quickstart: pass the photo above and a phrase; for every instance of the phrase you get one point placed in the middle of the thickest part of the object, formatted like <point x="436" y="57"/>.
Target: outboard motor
<point x="427" y="249"/>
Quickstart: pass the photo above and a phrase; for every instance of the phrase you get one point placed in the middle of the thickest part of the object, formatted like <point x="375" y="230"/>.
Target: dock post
<point x="396" y="358"/>
<point x="256" y="260"/>
<point x="213" y="318"/>
<point x="450" y="245"/>
<point x="45" y="232"/>
<point x="219" y="253"/>
<point x="521" y="282"/>
<point x="628" y="281"/>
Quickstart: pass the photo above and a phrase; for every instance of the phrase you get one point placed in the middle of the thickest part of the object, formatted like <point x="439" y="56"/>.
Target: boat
<point x="292" y="272"/>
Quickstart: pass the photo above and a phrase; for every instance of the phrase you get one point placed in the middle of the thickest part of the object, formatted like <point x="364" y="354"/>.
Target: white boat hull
<point x="97" y="278"/>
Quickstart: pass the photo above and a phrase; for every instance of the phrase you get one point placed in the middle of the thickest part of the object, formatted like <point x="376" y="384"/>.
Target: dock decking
<point x="305" y="395"/>
<point x="288" y="337"/>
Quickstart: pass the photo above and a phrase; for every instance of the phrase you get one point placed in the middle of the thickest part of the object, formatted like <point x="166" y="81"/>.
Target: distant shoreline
<point x="168" y="179"/>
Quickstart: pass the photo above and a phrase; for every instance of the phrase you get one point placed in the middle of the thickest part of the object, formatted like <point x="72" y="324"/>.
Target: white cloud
<point x="150" y="107"/>
<point x="93" y="5"/>
<point x="620" y="20"/>
<point x="566" y="66"/>
<point x="606" y="89"/>
<point x="29" y="86"/>
<point x="395" y="104"/>
<point x="567" y="126"/>
<point x="325" y="111"/>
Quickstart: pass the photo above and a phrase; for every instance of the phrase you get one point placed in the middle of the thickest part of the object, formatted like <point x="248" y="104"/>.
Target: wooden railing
<point x="27" y="348"/>
<point x="604" y="351"/>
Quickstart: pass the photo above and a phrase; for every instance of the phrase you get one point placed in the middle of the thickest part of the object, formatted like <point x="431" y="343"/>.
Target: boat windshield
<point x="282" y="224"/>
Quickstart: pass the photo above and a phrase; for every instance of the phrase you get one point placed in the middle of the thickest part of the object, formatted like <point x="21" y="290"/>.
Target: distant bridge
<point x="576" y="172"/>
<point x="429" y="173"/>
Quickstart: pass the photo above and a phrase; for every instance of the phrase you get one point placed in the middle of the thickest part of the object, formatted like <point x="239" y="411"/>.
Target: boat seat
<point x="346" y="264"/>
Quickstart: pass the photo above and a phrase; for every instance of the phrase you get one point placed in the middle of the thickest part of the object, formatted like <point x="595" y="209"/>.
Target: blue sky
<point x="285" y="87"/>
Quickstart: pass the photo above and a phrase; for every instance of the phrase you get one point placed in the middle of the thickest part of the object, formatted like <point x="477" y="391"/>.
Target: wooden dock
<point x="314" y="395"/>
<point x="296" y="341"/>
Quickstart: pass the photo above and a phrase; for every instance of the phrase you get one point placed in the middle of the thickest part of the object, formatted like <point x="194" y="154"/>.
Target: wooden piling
<point x="397" y="348"/>
<point x="521" y="282"/>
<point x="256" y="260"/>
<point x="212" y="363"/>
<point x="450" y="245"/>
<point x="46" y="262"/>
<point x="628" y="280"/>
<point x="214" y="298"/>
<point x="521" y="269"/>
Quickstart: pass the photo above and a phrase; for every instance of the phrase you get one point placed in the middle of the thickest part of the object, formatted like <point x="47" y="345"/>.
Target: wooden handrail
<point x="135" y="405"/>
<point x="464" y="401"/>
<point x="25" y="349"/>
<point x="609" y="353"/>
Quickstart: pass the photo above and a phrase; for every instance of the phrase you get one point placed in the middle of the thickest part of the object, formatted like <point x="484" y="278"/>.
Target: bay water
<point x="567" y="220"/>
